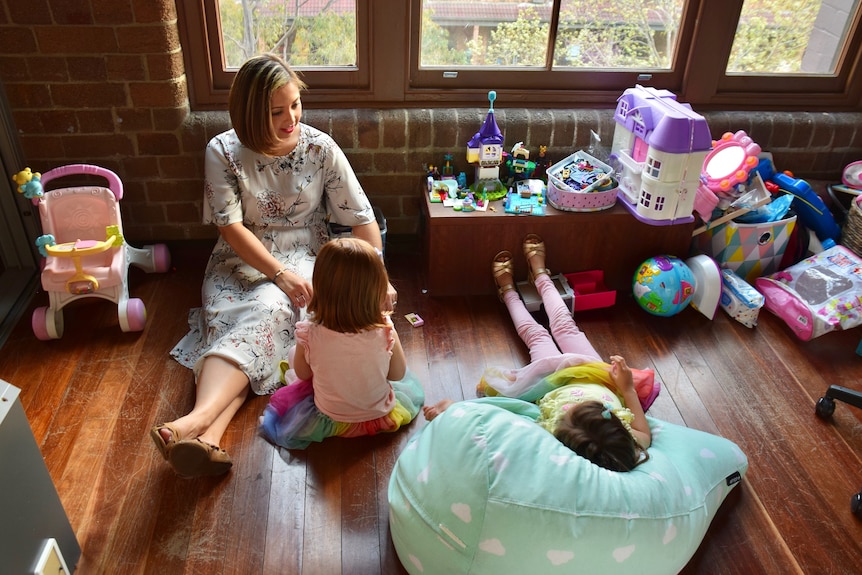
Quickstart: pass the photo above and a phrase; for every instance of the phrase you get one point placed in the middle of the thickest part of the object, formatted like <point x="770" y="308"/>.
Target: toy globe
<point x="664" y="285"/>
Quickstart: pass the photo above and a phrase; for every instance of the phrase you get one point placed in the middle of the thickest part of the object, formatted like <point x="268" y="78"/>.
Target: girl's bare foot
<point x="432" y="411"/>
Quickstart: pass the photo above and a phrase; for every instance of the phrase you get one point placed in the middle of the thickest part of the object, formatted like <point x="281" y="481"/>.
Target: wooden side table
<point x="459" y="246"/>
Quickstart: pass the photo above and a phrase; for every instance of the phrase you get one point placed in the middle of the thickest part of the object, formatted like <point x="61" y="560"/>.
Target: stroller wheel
<point x="47" y="324"/>
<point x="161" y="258"/>
<point x="132" y="315"/>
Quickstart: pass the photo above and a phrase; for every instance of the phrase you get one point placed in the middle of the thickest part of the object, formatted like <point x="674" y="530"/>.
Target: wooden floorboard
<point x="92" y="396"/>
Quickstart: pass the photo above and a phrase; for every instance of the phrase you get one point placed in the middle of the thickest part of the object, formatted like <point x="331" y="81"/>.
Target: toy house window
<point x="658" y="206"/>
<point x="646" y="199"/>
<point x="552" y="53"/>
<point x="653" y="167"/>
<point x="623" y="108"/>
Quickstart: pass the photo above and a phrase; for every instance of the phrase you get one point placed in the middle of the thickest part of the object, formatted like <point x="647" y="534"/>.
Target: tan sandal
<point x="164" y="446"/>
<point x="534" y="246"/>
<point x="197" y="458"/>
<point x="500" y="267"/>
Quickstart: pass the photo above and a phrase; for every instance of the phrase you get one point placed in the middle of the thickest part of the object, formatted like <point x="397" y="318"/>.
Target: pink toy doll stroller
<point x="85" y="253"/>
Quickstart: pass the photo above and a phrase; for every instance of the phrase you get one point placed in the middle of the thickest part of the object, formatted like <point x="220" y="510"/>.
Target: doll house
<point x="658" y="151"/>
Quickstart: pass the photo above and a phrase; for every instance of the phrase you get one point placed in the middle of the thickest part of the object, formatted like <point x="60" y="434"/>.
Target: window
<point x="653" y="167"/>
<point x="646" y="199"/>
<point x="714" y="54"/>
<point x="310" y="34"/>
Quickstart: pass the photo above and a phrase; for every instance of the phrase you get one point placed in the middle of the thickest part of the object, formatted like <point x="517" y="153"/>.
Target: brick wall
<point x="102" y="82"/>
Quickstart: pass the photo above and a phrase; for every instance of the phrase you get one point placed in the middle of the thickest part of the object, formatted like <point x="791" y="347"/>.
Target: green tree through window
<point x="306" y="33"/>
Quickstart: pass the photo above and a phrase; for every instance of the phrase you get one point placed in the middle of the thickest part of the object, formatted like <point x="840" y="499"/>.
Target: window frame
<point x="387" y="74"/>
<point x="202" y="51"/>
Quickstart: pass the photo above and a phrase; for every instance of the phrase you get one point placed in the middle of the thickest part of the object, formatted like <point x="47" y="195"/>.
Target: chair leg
<point x="856" y="504"/>
<point x="826" y="407"/>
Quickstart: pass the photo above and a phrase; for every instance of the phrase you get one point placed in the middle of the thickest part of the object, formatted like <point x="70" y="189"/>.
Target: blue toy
<point x="526" y="197"/>
<point x="664" y="285"/>
<point x="810" y="208"/>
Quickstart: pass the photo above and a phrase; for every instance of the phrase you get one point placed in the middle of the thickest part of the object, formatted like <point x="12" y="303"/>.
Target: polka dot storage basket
<point x="581" y="183"/>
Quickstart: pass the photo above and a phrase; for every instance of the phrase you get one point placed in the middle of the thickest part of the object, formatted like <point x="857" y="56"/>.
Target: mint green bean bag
<point x="482" y="489"/>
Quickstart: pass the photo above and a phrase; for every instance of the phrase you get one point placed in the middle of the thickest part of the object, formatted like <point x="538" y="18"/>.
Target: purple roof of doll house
<point x="489" y="133"/>
<point x="670" y="126"/>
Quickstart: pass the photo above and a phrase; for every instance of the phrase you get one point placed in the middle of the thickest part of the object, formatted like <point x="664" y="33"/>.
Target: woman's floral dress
<point x="285" y="201"/>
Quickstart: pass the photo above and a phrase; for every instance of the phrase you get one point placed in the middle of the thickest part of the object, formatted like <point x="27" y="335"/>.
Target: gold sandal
<point x="500" y="267"/>
<point x="533" y="246"/>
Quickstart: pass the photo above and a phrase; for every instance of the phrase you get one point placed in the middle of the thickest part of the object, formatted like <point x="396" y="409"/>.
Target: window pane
<point x="790" y="36"/>
<point x="483" y="33"/>
<point x="309" y="34"/>
<point x="624" y="34"/>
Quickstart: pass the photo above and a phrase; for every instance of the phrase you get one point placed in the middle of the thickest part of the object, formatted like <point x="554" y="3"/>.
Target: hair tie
<point x="606" y="412"/>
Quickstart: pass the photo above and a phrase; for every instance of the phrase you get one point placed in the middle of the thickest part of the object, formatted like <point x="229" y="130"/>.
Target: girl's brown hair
<point x="350" y="285"/>
<point x="593" y="432"/>
<point x="250" y="100"/>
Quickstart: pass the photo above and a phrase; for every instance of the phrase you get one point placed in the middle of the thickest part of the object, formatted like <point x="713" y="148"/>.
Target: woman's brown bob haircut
<point x="350" y="285"/>
<point x="250" y="100"/>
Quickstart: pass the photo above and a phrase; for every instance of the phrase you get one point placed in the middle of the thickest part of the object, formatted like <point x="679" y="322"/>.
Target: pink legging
<point x="565" y="331"/>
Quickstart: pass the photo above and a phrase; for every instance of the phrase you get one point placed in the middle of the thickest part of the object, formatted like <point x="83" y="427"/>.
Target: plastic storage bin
<point x="580" y="291"/>
<point x="590" y="290"/>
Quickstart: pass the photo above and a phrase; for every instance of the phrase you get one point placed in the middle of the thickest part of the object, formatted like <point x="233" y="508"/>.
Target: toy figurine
<point x="462" y="180"/>
<point x="519" y="164"/>
<point x="29" y="183"/>
<point x="542" y="165"/>
<point x="485" y="151"/>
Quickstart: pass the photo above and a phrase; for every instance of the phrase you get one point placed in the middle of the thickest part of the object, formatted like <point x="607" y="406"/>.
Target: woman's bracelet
<point x="278" y="273"/>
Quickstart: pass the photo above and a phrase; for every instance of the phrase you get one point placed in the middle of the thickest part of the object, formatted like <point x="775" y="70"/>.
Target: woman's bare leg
<point x="221" y="390"/>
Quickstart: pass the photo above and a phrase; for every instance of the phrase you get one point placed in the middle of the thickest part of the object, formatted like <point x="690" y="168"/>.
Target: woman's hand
<point x="391" y="299"/>
<point x="297" y="288"/>
<point x="248" y="247"/>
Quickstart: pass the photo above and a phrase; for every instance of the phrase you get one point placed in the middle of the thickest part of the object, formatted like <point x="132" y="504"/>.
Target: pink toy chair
<point x="85" y="253"/>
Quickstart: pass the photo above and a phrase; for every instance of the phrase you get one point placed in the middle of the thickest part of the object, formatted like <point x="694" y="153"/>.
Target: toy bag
<point x="750" y="250"/>
<point x="817" y="295"/>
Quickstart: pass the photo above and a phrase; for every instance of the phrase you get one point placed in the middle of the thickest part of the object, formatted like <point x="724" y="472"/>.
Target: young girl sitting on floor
<point x="594" y="408"/>
<point x="351" y="374"/>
